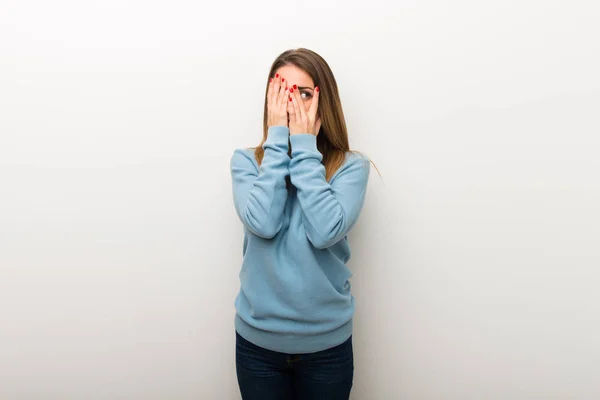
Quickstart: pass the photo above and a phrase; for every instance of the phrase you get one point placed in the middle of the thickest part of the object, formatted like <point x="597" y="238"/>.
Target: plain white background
<point x="476" y="259"/>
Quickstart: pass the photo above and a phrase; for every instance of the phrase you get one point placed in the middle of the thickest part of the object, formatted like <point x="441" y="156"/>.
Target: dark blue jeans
<point x="269" y="375"/>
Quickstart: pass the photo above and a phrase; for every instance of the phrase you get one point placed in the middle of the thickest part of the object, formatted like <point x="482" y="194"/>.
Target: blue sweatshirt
<point x="295" y="290"/>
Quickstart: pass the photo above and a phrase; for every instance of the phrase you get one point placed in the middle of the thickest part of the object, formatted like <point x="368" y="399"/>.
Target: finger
<point x="282" y="100"/>
<point x="270" y="90"/>
<point x="290" y="105"/>
<point x="283" y="103"/>
<point x="315" y="103"/>
<point x="275" y="89"/>
<point x="270" y="101"/>
<point x="282" y="94"/>
<point x="294" y="98"/>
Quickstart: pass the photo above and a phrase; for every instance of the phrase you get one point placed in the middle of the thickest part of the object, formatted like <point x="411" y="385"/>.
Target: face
<point x="295" y="76"/>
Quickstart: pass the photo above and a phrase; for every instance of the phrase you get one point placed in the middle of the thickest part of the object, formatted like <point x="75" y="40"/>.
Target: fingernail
<point x="316" y="88"/>
<point x="291" y="90"/>
<point x="282" y="79"/>
<point x="271" y="80"/>
<point x="276" y="75"/>
<point x="295" y="87"/>
<point x="290" y="99"/>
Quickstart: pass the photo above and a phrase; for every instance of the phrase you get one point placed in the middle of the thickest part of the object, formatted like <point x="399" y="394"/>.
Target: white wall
<point x="476" y="260"/>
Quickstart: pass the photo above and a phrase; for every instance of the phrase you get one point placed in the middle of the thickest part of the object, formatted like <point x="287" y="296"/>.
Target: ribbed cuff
<point x="304" y="142"/>
<point x="278" y="134"/>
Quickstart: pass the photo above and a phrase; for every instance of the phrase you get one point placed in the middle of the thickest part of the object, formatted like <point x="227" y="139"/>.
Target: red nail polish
<point x="271" y="80"/>
<point x="291" y="90"/>
<point x="317" y="89"/>
<point x="295" y="87"/>
<point x="276" y="75"/>
<point x="282" y="79"/>
<point x="290" y="99"/>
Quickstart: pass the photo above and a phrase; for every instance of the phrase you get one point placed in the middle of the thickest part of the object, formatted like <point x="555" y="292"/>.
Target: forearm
<point x="260" y="200"/>
<point x="329" y="210"/>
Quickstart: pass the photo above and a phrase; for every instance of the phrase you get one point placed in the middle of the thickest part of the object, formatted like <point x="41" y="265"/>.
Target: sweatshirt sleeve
<point x="329" y="210"/>
<point x="260" y="193"/>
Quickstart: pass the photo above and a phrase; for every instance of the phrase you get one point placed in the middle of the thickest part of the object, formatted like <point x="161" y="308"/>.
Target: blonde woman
<point x="298" y="194"/>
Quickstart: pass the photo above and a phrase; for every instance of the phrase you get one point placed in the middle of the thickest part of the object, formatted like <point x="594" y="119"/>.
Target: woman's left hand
<point x="301" y="120"/>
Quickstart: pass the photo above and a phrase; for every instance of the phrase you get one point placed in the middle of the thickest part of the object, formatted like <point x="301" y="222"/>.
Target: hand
<point x="277" y="97"/>
<point x="301" y="120"/>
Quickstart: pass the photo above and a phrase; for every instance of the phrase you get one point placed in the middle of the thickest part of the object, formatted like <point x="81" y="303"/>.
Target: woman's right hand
<point x="277" y="98"/>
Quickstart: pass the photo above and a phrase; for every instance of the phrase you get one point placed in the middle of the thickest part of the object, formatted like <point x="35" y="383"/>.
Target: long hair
<point x="332" y="140"/>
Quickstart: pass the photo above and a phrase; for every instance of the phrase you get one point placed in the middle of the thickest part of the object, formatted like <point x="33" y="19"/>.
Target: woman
<point x="298" y="195"/>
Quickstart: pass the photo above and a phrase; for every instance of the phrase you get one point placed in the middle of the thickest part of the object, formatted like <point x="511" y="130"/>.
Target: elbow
<point x="324" y="237"/>
<point x="268" y="232"/>
<point x="322" y="243"/>
<point x="262" y="224"/>
<point x="265" y="231"/>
